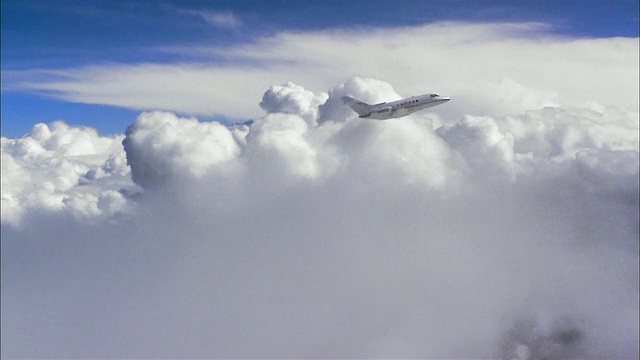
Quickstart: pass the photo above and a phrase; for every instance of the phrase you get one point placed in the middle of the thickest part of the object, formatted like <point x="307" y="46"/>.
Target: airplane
<point x="394" y="109"/>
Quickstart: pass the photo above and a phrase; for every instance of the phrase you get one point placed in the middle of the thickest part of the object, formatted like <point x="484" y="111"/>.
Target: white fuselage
<point x="404" y="107"/>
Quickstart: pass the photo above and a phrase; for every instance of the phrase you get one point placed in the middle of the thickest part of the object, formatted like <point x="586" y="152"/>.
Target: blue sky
<point x="54" y="35"/>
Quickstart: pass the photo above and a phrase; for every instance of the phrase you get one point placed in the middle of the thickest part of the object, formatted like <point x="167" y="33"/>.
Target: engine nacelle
<point x="384" y="110"/>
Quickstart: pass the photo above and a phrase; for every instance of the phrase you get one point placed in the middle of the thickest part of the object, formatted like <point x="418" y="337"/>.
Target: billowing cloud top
<point x="61" y="168"/>
<point x="313" y="233"/>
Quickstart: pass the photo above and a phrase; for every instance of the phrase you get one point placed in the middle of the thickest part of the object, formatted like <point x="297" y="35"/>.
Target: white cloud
<point x="313" y="233"/>
<point x="219" y="19"/>
<point x="488" y="69"/>
<point x="161" y="145"/>
<point x="480" y="141"/>
<point x="293" y="99"/>
<point x="62" y="168"/>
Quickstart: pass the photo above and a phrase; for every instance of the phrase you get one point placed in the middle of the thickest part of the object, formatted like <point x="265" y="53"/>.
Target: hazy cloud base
<point x="312" y="233"/>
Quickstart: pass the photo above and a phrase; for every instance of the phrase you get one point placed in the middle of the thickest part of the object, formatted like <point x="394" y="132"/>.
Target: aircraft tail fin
<point x="363" y="109"/>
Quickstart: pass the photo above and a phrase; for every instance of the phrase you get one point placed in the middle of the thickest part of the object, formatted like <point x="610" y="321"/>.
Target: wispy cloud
<point x="219" y="19"/>
<point x="489" y="68"/>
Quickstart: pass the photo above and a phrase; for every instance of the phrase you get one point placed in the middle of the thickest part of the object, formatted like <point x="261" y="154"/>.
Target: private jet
<point x="394" y="109"/>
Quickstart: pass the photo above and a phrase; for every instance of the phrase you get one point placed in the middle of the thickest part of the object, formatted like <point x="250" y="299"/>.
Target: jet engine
<point x="383" y="110"/>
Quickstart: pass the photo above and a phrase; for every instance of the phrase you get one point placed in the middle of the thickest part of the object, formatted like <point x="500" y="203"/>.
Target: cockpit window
<point x="434" y="95"/>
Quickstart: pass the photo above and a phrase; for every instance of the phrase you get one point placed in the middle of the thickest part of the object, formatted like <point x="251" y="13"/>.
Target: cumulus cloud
<point x="492" y="69"/>
<point x="62" y="168"/>
<point x="157" y="144"/>
<point x="293" y="99"/>
<point x="313" y="233"/>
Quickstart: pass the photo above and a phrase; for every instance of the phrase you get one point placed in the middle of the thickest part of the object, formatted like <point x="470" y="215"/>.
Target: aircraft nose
<point x="445" y="98"/>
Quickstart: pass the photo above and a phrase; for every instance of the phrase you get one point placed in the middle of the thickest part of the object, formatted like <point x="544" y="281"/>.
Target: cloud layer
<point x="493" y="69"/>
<point x="313" y="233"/>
